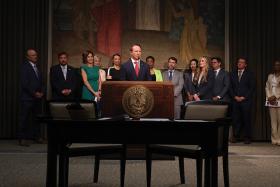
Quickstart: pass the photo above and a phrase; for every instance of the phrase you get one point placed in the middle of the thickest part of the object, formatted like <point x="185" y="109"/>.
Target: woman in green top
<point x="91" y="79"/>
<point x="155" y="73"/>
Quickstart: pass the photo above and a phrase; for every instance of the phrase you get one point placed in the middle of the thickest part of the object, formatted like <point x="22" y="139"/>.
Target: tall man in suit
<point x="63" y="79"/>
<point x="135" y="69"/>
<point x="177" y="79"/>
<point x="221" y="82"/>
<point x="31" y="94"/>
<point x="241" y="90"/>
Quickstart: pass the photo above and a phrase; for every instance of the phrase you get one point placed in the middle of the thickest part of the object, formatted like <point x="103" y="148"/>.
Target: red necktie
<point x="136" y="68"/>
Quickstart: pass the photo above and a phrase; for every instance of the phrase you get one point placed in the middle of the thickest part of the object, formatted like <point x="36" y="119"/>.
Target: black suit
<point x="58" y="82"/>
<point x="29" y="104"/>
<point x="241" y="111"/>
<point x="204" y="89"/>
<point x="128" y="72"/>
<point x="188" y="82"/>
<point x="221" y="85"/>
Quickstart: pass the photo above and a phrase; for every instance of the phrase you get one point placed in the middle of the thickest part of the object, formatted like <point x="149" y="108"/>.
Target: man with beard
<point x="63" y="79"/>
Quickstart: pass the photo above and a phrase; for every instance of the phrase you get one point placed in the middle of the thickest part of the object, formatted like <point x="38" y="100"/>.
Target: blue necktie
<point x="170" y="75"/>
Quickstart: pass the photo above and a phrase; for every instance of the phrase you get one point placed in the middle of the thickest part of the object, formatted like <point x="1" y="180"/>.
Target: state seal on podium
<point x="138" y="101"/>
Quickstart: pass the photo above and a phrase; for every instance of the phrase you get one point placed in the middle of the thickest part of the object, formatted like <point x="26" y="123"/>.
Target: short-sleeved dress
<point x="93" y="77"/>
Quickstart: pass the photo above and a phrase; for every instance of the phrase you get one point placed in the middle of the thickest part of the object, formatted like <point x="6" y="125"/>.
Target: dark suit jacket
<point x="221" y="85"/>
<point x="245" y="87"/>
<point x="29" y="82"/>
<point x="204" y="89"/>
<point x="128" y="72"/>
<point x="188" y="82"/>
<point x="58" y="83"/>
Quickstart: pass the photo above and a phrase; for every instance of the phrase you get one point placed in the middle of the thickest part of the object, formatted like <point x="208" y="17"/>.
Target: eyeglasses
<point x="214" y="62"/>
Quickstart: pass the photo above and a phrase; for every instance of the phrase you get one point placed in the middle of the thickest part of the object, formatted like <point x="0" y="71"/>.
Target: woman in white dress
<point x="273" y="102"/>
<point x="102" y="73"/>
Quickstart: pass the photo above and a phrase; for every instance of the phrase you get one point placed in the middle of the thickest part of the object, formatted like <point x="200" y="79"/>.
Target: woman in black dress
<point x="188" y="78"/>
<point x="113" y="73"/>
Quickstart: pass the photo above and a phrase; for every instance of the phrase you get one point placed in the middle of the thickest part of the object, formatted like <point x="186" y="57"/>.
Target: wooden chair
<point x="197" y="110"/>
<point x="83" y="110"/>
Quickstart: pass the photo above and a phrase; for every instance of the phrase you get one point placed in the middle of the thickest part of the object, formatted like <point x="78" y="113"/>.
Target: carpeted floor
<point x="255" y="165"/>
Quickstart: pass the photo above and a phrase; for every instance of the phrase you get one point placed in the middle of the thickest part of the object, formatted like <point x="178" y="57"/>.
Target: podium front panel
<point x="112" y="93"/>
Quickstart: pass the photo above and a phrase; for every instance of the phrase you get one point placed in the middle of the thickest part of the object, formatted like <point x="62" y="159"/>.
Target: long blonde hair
<point x="199" y="71"/>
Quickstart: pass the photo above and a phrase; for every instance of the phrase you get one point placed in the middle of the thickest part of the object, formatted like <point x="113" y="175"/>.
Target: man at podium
<point x="135" y="69"/>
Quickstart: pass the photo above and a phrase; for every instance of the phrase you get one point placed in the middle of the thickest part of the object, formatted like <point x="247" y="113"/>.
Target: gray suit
<point x="221" y="85"/>
<point x="178" y="82"/>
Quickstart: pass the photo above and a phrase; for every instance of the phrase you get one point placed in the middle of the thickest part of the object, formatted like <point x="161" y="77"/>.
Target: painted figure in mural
<point x="84" y="24"/>
<point x="193" y="39"/>
<point x="148" y="15"/>
<point x="107" y="14"/>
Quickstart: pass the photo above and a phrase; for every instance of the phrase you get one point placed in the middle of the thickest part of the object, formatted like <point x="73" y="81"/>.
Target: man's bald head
<point x="31" y="55"/>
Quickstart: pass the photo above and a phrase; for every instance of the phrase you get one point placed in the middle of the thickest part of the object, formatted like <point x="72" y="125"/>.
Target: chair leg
<point x="66" y="170"/>
<point x="123" y="163"/>
<point x="199" y="164"/>
<point x="148" y="166"/>
<point x="225" y="170"/>
<point x="182" y="170"/>
<point x="207" y="171"/>
<point x="96" y="168"/>
<point x="62" y="170"/>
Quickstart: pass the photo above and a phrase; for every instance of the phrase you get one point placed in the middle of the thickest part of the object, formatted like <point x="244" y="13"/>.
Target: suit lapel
<point x="220" y="74"/>
<point x="236" y="76"/>
<point x="131" y="68"/>
<point x="33" y="71"/>
<point x="174" y="78"/>
<point x="243" y="76"/>
<point x="60" y="73"/>
<point x="69" y="70"/>
<point x="141" y="69"/>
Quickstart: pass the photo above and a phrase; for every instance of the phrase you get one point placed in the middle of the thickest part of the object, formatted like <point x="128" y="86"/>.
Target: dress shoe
<point x="247" y="141"/>
<point x="23" y="142"/>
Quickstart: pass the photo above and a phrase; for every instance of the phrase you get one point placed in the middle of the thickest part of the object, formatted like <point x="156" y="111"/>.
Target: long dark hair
<point x="190" y="62"/>
<point x="112" y="59"/>
<point x="85" y="55"/>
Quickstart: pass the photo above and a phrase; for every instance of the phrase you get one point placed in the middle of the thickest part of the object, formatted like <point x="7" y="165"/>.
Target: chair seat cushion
<point x="80" y="145"/>
<point x="175" y="149"/>
<point x="92" y="149"/>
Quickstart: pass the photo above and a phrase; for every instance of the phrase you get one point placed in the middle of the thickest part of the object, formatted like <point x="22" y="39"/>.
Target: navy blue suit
<point x="241" y="111"/>
<point x="58" y="82"/>
<point x="128" y="72"/>
<point x="30" y="105"/>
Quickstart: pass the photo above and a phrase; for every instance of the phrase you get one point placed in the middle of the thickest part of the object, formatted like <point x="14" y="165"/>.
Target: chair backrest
<point x="211" y="110"/>
<point x="72" y="110"/>
<point x="206" y="110"/>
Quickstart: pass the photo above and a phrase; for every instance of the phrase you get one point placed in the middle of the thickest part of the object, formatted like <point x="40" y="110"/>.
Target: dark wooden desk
<point x="205" y="134"/>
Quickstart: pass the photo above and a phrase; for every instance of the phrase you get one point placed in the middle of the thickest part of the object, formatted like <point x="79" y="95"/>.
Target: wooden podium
<point x="112" y="93"/>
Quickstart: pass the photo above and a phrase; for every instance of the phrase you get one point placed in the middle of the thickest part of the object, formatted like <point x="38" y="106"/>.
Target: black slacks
<point x="28" y="127"/>
<point x="241" y="116"/>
